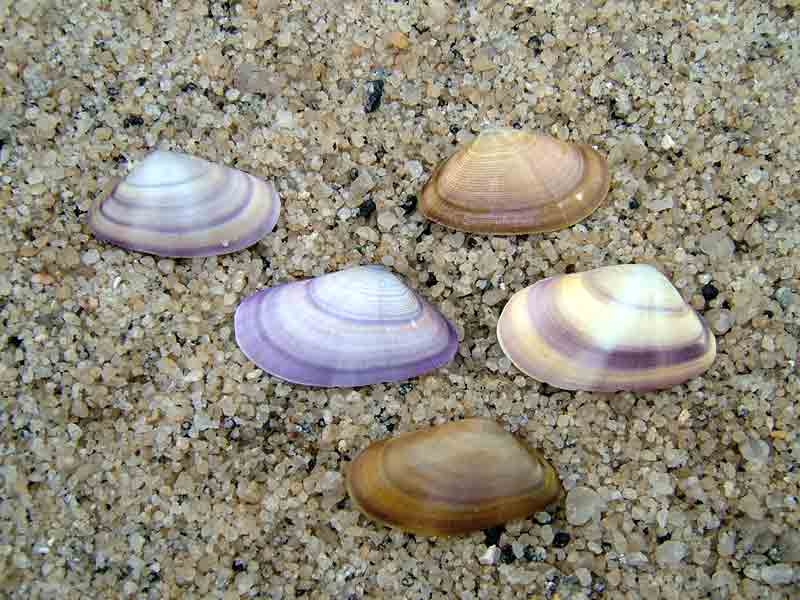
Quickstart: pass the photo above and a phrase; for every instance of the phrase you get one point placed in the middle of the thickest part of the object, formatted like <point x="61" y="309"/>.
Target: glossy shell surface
<point x="178" y="205"/>
<point x="355" y="327"/>
<point x="454" y="478"/>
<point x="615" y="328"/>
<point x="513" y="182"/>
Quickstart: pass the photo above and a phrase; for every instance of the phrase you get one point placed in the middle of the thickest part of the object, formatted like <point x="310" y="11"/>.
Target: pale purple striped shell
<point x="181" y="206"/>
<point x="616" y="328"/>
<point x="355" y="327"/>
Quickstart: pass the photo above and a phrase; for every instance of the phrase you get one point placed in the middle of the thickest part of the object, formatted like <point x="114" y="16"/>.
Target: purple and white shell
<point x="615" y="328"/>
<point x="178" y="205"/>
<point x="355" y="327"/>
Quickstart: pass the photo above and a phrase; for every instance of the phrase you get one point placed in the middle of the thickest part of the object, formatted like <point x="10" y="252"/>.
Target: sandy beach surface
<point x="142" y="455"/>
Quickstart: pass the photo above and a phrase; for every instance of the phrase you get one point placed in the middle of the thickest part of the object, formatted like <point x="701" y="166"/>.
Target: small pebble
<point x="726" y="545"/>
<point x="415" y="169"/>
<point x="582" y="505"/>
<point x="409" y="206"/>
<point x="387" y="220"/>
<point x="661" y="484"/>
<point x="535" y="554"/>
<point x="398" y="39"/>
<point x="366" y="209"/>
<point x="636" y="559"/>
<point x="90" y="257"/>
<point x="671" y="553"/>
<point x="369" y="234"/>
<point x="374" y="95"/>
<point x="584" y="576"/>
<point x="561" y="539"/>
<point x="284" y="119"/>
<point x="780" y="574"/>
<point x="166" y="265"/>
<point x="709" y="292"/>
<point x="659" y="203"/>
<point x="720" y="320"/>
<point x="491" y="556"/>
<point x="755" y="451"/>
<point x="507" y="554"/>
<point x="492" y="535"/>
<point x="790" y="539"/>
<point x="547" y="535"/>
<point x="133" y="121"/>
<point x="438" y="11"/>
<point x="43" y="279"/>
<point x="717" y="245"/>
<point x="483" y="61"/>
<point x="253" y="79"/>
<point x="784" y="296"/>
<point x="363" y="183"/>
<point x="518" y="549"/>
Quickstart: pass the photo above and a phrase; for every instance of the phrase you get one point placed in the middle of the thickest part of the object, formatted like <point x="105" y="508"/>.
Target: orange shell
<point x="455" y="478"/>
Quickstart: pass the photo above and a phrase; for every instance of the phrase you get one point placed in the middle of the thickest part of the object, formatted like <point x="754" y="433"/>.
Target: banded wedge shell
<point x="454" y="478"/>
<point x="513" y="182"/>
<point x="614" y="328"/>
<point x="178" y="205"/>
<point x="355" y="327"/>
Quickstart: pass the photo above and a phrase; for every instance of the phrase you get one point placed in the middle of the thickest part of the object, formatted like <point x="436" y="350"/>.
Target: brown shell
<point x="454" y="478"/>
<point x="513" y="182"/>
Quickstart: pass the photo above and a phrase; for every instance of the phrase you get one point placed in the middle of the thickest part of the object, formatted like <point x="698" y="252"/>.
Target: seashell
<point x="182" y="206"/>
<point x="453" y="478"/>
<point x="512" y="182"/>
<point x="615" y="328"/>
<point x="355" y="327"/>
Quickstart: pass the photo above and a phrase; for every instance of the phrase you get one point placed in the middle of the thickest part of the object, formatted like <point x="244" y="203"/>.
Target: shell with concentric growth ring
<point x="514" y="182"/>
<point x="615" y="328"/>
<point x="178" y="205"/>
<point x="355" y="327"/>
<point x="454" y="478"/>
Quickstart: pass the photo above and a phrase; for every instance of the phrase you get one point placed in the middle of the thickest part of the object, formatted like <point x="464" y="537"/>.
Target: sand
<point x="143" y="456"/>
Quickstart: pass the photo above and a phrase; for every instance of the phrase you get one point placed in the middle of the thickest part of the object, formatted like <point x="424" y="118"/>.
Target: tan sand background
<point x="143" y="456"/>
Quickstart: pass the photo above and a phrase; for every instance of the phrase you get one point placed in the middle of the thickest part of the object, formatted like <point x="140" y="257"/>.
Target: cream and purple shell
<point x="615" y="328"/>
<point x="178" y="205"/>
